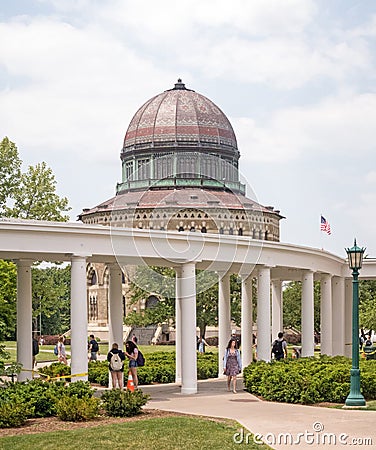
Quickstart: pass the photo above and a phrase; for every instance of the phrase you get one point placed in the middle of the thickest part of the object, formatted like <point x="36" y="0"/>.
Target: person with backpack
<point x="232" y="364"/>
<point x="93" y="348"/>
<point x="35" y="350"/>
<point x="132" y="352"/>
<point x="279" y="348"/>
<point x="115" y="358"/>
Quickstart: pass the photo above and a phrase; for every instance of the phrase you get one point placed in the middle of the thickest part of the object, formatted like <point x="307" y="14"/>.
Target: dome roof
<point x="180" y="117"/>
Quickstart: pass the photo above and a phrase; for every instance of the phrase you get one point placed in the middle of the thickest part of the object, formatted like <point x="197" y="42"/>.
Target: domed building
<point x="180" y="172"/>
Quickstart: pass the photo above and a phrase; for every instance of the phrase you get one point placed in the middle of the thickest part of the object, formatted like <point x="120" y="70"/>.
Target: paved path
<point x="271" y="419"/>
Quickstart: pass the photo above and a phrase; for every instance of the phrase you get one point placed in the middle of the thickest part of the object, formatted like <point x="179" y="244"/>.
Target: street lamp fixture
<point x="355" y="398"/>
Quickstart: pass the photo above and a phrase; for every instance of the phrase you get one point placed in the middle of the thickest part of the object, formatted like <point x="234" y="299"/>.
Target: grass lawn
<point x="152" y="434"/>
<point x="46" y="352"/>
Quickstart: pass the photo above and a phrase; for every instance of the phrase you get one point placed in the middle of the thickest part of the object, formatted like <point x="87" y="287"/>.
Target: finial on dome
<point x="180" y="84"/>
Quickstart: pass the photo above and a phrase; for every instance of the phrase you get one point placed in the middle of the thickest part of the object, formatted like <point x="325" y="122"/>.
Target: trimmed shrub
<point x="118" y="403"/>
<point x="77" y="409"/>
<point x="56" y="370"/>
<point x="159" y="368"/>
<point x="308" y="380"/>
<point x="13" y="414"/>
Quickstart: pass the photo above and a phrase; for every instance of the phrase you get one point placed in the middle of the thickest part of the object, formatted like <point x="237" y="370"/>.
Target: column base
<point x="355" y="401"/>
<point x="188" y="391"/>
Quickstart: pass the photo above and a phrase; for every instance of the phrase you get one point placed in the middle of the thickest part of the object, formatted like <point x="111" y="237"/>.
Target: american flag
<point x="325" y="226"/>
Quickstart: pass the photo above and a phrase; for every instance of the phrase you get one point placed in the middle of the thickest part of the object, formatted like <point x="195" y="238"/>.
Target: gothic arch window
<point x="266" y="235"/>
<point x="221" y="230"/>
<point x="203" y="229"/>
<point x="230" y="231"/>
<point x="260" y="234"/>
<point x="253" y="234"/>
<point x="240" y="232"/>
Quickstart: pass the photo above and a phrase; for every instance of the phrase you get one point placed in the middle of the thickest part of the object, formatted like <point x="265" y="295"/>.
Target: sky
<point x="296" y="78"/>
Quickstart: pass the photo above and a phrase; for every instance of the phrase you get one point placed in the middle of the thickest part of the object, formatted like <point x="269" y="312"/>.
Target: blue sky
<point x="295" y="77"/>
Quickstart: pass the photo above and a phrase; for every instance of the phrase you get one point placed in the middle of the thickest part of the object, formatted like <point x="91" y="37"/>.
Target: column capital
<point x="24" y="262"/>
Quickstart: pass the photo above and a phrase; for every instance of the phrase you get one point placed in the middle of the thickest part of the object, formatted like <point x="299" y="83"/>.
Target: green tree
<point x="36" y="198"/>
<point x="367" y="304"/>
<point x="29" y="195"/>
<point x="158" y="281"/>
<point x="10" y="172"/>
<point x="51" y="299"/>
<point x="292" y="305"/>
<point x="206" y="300"/>
<point x="8" y="296"/>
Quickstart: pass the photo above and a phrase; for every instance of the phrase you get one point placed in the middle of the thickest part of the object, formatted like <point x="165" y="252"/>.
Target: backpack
<point x="140" y="359"/>
<point x="35" y="347"/>
<point x="56" y="351"/>
<point x="94" y="346"/>
<point x="116" y="363"/>
<point x="277" y="349"/>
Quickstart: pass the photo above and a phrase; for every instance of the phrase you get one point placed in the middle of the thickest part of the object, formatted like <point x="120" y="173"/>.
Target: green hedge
<point x="159" y="368"/>
<point x="308" y="380"/>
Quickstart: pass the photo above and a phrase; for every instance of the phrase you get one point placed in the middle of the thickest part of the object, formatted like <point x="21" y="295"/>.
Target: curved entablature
<point x="56" y="241"/>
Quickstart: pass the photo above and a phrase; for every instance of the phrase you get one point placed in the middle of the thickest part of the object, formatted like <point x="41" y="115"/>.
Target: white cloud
<point x="340" y="126"/>
<point x="370" y="177"/>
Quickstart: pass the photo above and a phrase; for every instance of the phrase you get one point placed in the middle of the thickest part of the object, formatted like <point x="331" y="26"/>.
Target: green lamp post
<point x="355" y="398"/>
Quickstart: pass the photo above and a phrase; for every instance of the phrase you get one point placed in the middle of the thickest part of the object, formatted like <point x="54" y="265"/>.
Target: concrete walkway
<point x="277" y="424"/>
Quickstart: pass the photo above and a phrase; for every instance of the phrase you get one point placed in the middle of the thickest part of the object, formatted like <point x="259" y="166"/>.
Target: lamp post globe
<point x="355" y="257"/>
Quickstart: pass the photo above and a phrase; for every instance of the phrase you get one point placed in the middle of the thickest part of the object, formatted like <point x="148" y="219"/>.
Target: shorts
<point x="93" y="356"/>
<point x="132" y="363"/>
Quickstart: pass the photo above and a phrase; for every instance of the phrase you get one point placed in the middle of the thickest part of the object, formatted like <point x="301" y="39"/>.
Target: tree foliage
<point x="10" y="172"/>
<point x="29" y="195"/>
<point x="160" y="281"/>
<point x="8" y="296"/>
<point x="51" y="299"/>
<point x="292" y="305"/>
<point x="367" y="304"/>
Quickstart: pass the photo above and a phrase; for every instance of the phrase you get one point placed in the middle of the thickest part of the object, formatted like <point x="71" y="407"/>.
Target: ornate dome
<point x="180" y="117"/>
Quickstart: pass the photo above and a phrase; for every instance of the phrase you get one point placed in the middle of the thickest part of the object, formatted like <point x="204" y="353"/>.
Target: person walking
<point x="201" y="344"/>
<point x="61" y="354"/>
<point x="232" y="364"/>
<point x="131" y="351"/>
<point x="93" y="348"/>
<point x="115" y="358"/>
<point x="35" y="350"/>
<point x="279" y="348"/>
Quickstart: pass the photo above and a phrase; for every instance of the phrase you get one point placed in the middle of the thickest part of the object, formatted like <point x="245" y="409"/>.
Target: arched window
<point x="240" y="232"/>
<point x="203" y="230"/>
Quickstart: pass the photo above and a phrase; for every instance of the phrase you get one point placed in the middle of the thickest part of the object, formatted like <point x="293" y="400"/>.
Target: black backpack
<point x="140" y="359"/>
<point x="277" y="349"/>
<point x="94" y="346"/>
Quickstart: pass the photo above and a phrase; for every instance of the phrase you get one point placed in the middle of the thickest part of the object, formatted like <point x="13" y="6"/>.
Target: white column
<point x="308" y="331"/>
<point x="24" y="319"/>
<point x="263" y="314"/>
<point x="178" y="297"/>
<point x="277" y="315"/>
<point x="115" y="310"/>
<point x="338" y="315"/>
<point x="326" y="315"/>
<point x="79" y="361"/>
<point x="246" y="320"/>
<point x="348" y="317"/>
<point x="115" y="306"/>
<point x="188" y="329"/>
<point x="224" y="317"/>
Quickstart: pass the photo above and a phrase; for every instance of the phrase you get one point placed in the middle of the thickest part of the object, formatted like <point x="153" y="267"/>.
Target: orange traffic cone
<point x="130" y="385"/>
